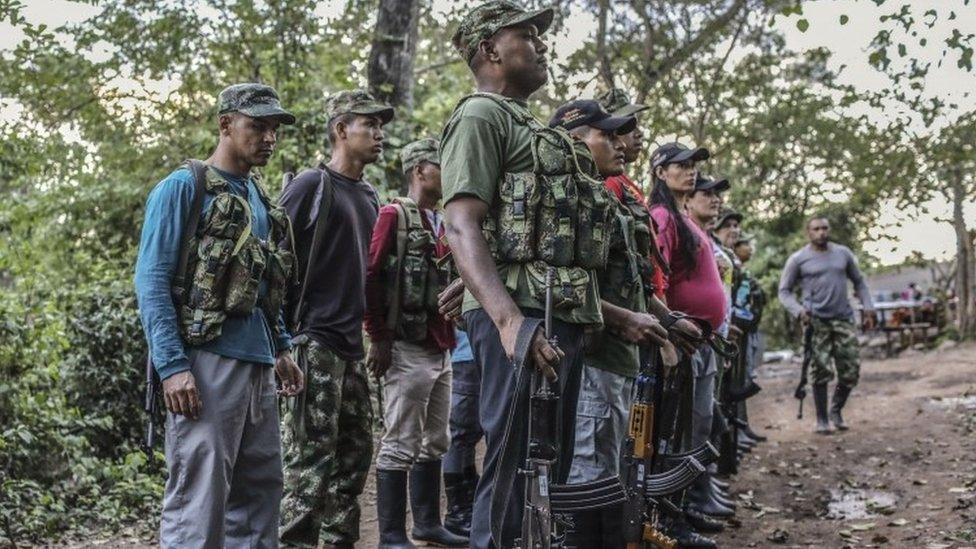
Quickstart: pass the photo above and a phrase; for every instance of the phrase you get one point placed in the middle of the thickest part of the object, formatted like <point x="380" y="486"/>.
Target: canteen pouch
<point x="592" y="238"/>
<point x="556" y="226"/>
<point x="519" y="194"/>
<point x="570" y="287"/>
<point x="200" y="326"/>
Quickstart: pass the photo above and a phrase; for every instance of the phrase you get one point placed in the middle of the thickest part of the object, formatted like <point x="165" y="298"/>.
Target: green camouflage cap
<point x="422" y="150"/>
<point x="357" y="102"/>
<point x="617" y="102"/>
<point x="254" y="100"/>
<point x="484" y="21"/>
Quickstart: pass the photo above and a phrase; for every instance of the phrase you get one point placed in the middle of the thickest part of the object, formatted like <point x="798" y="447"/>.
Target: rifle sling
<point x="516" y="427"/>
<point x="326" y="199"/>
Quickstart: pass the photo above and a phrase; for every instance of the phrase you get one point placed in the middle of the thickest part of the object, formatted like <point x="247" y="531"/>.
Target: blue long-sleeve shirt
<point x="245" y="338"/>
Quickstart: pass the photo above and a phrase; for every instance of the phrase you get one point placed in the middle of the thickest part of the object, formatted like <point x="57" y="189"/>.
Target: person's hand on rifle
<point x="644" y="329"/>
<point x="291" y="376"/>
<point x="544" y="355"/>
<point x="380" y="357"/>
<point x="688" y="333"/>
<point x="805" y="317"/>
<point x="181" y="395"/>
<point x="450" y="299"/>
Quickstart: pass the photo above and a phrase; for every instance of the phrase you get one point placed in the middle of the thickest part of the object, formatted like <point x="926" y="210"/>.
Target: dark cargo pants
<point x="464" y="423"/>
<point x="498" y="377"/>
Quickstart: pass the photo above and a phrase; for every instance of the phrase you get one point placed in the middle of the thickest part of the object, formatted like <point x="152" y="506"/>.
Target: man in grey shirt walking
<point x="822" y="269"/>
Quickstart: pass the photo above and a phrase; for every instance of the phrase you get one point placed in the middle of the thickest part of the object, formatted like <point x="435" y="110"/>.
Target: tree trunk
<point x="390" y="69"/>
<point x="965" y="308"/>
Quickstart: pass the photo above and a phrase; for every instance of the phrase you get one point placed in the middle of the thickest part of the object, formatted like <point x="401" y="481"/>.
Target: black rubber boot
<point x="681" y="531"/>
<point x="460" y="489"/>
<point x="702" y="522"/>
<point x="425" y="503"/>
<point x="747" y="428"/>
<point x="699" y="498"/>
<point x="841" y="392"/>
<point x="391" y="509"/>
<point x="820" y="401"/>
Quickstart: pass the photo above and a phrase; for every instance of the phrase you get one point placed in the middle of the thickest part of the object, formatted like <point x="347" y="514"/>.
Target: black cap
<point x="725" y="215"/>
<point x="704" y="183"/>
<point x="587" y="112"/>
<point x="670" y="153"/>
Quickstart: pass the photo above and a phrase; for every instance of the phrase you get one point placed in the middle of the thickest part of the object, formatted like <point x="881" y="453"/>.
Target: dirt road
<point x="904" y="476"/>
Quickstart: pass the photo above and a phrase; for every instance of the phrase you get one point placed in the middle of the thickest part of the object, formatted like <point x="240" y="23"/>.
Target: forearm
<point x="160" y="324"/>
<point x="615" y="318"/>
<point x="790" y="302"/>
<point x="658" y="307"/>
<point x="477" y="269"/>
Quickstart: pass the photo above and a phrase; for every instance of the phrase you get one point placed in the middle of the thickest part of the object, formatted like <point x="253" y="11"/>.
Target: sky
<point x="847" y="42"/>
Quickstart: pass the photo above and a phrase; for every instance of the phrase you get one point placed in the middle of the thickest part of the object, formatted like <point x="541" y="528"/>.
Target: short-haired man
<point x="328" y="434"/>
<point x="821" y="269"/>
<point x="410" y="342"/>
<point x="213" y="335"/>
<point x="493" y="178"/>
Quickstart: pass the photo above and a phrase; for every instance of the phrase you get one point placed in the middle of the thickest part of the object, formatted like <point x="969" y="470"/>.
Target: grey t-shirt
<point x="822" y="277"/>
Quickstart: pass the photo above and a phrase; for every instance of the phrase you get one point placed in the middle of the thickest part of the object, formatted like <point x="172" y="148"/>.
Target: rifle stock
<point x="151" y="406"/>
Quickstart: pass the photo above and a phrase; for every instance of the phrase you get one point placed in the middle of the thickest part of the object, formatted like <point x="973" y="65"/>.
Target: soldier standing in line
<point x="612" y="360"/>
<point x="328" y="434"/>
<point x="496" y="180"/>
<point x="821" y="269"/>
<point x="410" y="343"/>
<point x="214" y="327"/>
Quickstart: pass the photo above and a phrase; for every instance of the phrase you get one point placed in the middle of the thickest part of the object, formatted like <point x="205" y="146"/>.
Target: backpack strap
<point x="393" y="314"/>
<point x="199" y="172"/>
<point x="326" y="199"/>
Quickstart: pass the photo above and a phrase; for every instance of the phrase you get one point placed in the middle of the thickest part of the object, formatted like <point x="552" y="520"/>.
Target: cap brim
<point x="618" y="124"/>
<point x="724" y="218"/>
<point x="697" y="155"/>
<point x="542" y="19"/>
<point x="385" y="112"/>
<point x="269" y="111"/>
<point x="630" y="110"/>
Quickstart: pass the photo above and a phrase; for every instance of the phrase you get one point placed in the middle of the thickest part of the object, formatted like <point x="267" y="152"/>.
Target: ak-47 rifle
<point x="151" y="406"/>
<point x="801" y="388"/>
<point x="647" y="493"/>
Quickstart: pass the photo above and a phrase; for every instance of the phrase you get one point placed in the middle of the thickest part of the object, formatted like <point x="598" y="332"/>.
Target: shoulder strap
<point x="393" y="314"/>
<point x="523" y="116"/>
<point x="199" y="172"/>
<point x="325" y="210"/>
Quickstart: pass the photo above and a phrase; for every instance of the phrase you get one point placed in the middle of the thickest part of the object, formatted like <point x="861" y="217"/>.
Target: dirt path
<point x="904" y="476"/>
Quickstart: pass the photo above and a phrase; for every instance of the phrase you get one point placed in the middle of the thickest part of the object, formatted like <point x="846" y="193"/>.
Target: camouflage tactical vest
<point x="227" y="264"/>
<point x="557" y="215"/>
<point x="416" y="277"/>
<point x="643" y="239"/>
<point x="621" y="281"/>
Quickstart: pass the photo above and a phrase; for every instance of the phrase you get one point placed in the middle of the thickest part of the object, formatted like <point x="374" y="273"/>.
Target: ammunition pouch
<point x="417" y="278"/>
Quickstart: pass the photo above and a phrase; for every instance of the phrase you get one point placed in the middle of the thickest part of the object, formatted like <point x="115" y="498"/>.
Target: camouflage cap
<point x="484" y="21"/>
<point x="254" y="100"/>
<point x="357" y="102"/>
<point x="617" y="102"/>
<point x="422" y="150"/>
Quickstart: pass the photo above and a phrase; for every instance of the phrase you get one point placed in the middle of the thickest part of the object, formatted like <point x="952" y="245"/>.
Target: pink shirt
<point x="699" y="292"/>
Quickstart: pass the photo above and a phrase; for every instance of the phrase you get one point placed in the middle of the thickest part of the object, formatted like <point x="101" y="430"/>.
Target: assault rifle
<point x="801" y="388"/>
<point x="151" y="406"/>
<point x="647" y="493"/>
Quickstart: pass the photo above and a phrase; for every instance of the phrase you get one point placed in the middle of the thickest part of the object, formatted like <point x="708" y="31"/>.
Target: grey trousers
<point x="704" y="369"/>
<point x="417" y="403"/>
<point x="225" y="480"/>
<point x="601" y="424"/>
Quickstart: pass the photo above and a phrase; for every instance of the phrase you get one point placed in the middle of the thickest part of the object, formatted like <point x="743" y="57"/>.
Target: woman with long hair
<point x="692" y="286"/>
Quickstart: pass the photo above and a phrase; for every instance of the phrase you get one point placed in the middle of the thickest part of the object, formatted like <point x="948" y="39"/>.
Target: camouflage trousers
<point x="835" y="347"/>
<point x="328" y="445"/>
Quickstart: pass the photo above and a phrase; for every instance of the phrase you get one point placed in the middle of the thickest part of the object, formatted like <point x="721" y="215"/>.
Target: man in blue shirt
<point x="223" y="450"/>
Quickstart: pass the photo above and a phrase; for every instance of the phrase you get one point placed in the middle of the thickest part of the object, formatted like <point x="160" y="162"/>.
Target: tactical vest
<point x="416" y="277"/>
<point x="621" y="282"/>
<point x="644" y="241"/>
<point x="556" y="215"/>
<point x="227" y="264"/>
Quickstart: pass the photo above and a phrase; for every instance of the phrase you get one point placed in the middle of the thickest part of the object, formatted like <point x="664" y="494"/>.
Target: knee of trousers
<point x="395" y="460"/>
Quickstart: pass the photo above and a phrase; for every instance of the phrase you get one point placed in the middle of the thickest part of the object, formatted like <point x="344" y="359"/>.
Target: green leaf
<point x="844" y="19"/>
<point x="803" y="25"/>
